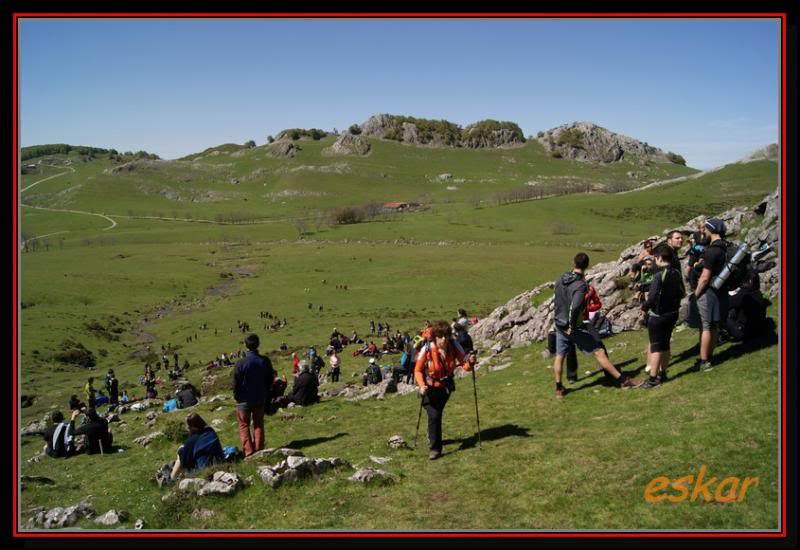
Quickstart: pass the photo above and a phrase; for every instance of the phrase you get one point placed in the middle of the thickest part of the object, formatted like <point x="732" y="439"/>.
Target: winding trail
<point x="48" y="177"/>
<point x="112" y="226"/>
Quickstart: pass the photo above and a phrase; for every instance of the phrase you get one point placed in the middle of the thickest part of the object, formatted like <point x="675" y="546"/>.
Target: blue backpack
<point x="170" y="405"/>
<point x="405" y="360"/>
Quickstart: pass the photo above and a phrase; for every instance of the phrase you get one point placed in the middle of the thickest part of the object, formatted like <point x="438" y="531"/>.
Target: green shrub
<point x="556" y="155"/>
<point x="676" y="159"/>
<point x="355" y="129"/>
<point x="75" y="353"/>
<point x="572" y="137"/>
<point x="174" y="429"/>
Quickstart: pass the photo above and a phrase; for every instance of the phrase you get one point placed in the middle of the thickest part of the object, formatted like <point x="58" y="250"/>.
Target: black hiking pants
<point x="434" y="401"/>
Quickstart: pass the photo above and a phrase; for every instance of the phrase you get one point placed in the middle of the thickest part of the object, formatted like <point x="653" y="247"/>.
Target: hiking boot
<point x="705" y="366"/>
<point x="560" y="393"/>
<point x="650" y="383"/>
<point x="628" y="382"/>
<point x="434" y="455"/>
<point x="662" y="376"/>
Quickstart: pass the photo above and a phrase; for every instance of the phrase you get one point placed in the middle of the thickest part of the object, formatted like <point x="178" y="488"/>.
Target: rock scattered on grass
<point x="145" y="440"/>
<point x="397" y="442"/>
<point x="112" y="517"/>
<point x="372" y="475"/>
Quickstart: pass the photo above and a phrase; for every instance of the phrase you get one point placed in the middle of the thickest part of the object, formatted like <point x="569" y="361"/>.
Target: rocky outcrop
<point x="585" y="141"/>
<point x="372" y="475"/>
<point x="112" y="517"/>
<point x="282" y="149"/>
<point x="442" y="133"/>
<point x="58" y="518"/>
<point x="770" y="152"/>
<point x="295" y="468"/>
<point x="348" y="144"/>
<point x="146" y="440"/>
<point x="526" y="319"/>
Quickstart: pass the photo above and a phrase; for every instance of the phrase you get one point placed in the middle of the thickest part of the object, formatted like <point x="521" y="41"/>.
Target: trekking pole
<point x="477" y="416"/>
<point x="419" y="417"/>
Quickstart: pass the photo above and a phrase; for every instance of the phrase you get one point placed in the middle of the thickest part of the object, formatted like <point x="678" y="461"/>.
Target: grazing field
<point x="578" y="464"/>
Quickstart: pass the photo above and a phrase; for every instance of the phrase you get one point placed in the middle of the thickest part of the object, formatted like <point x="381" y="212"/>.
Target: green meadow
<point x="175" y="260"/>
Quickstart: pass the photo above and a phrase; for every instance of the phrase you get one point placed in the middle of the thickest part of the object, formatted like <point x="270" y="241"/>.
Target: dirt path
<point x="47" y="178"/>
<point x="112" y="226"/>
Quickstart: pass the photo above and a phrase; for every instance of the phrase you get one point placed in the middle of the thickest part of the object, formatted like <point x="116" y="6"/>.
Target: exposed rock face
<point x="222" y="483"/>
<point x="280" y="149"/>
<point x="519" y="322"/>
<point x="770" y="152"/>
<point x="36" y="427"/>
<point x="585" y="141"/>
<point x="348" y="144"/>
<point x="441" y="133"/>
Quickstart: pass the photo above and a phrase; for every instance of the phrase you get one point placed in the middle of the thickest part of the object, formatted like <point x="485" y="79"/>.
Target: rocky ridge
<point x="588" y="142"/>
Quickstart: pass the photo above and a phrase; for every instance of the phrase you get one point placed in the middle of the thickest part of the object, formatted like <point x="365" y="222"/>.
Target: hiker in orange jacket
<point x="433" y="372"/>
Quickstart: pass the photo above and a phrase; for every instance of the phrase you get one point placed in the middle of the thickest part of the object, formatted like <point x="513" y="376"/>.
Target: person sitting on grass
<point x="200" y="450"/>
<point x="59" y="442"/>
<point x="98" y="436"/>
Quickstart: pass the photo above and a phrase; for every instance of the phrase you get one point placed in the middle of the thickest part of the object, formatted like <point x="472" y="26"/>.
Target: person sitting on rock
<point x="373" y="374"/>
<point x="200" y="450"/>
<point x="98" y="436"/>
<point x="306" y="388"/>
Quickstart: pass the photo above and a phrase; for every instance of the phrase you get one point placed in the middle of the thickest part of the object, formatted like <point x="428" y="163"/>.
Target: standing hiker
<point x="570" y="310"/>
<point x="112" y="387"/>
<point x="436" y="362"/>
<point x="252" y="381"/>
<point x="90" y="392"/>
<point x="663" y="302"/>
<point x="709" y="302"/>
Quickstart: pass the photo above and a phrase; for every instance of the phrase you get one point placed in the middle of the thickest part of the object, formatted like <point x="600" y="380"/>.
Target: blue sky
<point x="707" y="89"/>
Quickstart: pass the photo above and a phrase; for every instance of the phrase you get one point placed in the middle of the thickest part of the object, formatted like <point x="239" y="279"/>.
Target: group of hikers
<point x="718" y="273"/>
<point x="715" y="277"/>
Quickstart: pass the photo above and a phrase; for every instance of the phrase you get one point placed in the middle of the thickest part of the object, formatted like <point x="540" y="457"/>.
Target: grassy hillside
<point x="403" y="269"/>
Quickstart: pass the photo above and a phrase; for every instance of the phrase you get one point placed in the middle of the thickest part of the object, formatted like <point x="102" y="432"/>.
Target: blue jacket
<point x="252" y="379"/>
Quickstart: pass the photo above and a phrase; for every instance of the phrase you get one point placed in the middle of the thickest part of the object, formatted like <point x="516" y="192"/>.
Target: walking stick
<point x="419" y="417"/>
<point x="477" y="416"/>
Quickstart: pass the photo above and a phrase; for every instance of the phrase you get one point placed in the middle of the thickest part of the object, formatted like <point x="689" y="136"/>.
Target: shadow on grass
<point x="300" y="443"/>
<point x="734" y="351"/>
<point x="490" y="434"/>
<point x="606" y="380"/>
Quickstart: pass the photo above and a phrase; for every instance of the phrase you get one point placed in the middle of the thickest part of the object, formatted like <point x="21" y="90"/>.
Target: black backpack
<point x="738" y="272"/>
<point x="375" y="374"/>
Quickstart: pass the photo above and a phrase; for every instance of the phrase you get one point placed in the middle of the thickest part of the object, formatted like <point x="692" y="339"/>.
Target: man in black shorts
<point x="570" y="311"/>
<point x="663" y="302"/>
<point x="711" y="304"/>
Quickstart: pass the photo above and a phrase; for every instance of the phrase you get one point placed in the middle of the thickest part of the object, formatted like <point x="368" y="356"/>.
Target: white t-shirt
<point x="334" y="361"/>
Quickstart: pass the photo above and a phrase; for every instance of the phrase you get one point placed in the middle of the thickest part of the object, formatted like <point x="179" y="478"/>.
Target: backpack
<point x="738" y="272"/>
<point x="405" y="360"/>
<point x="170" y="405"/>
<point x="375" y="374"/>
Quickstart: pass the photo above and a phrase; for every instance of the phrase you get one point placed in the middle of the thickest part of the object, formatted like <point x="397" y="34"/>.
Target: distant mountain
<point x="586" y="141"/>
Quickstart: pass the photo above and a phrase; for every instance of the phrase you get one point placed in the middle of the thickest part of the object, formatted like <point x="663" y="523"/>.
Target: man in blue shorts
<point x="570" y="310"/>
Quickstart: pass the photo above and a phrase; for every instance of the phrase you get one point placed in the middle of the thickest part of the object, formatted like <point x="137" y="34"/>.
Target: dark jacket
<point x="304" y="391"/>
<point x="666" y="291"/>
<point x="96" y="432"/>
<point x="252" y="379"/>
<point x="59" y="444"/>
<point x="186" y="398"/>
<point x="569" y="300"/>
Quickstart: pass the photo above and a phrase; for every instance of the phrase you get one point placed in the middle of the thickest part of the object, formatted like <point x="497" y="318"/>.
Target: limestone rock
<point x="145" y="440"/>
<point x="348" y="144"/>
<point x="372" y="475"/>
<point x="202" y="513"/>
<point x="585" y="141"/>
<point x="112" y="517"/>
<point x="222" y="483"/>
<point x="58" y="517"/>
<point x="397" y="442"/>
<point x="191" y="485"/>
